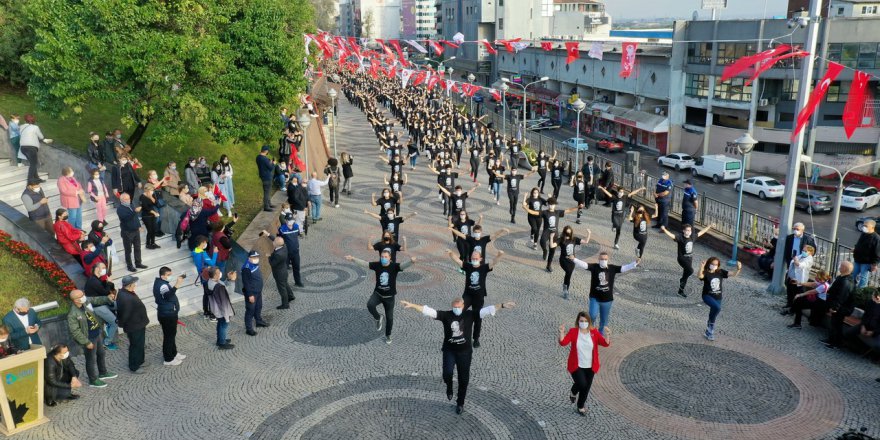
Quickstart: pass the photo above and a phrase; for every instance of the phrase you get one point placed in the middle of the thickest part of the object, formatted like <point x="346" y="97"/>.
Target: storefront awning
<point x="536" y="93"/>
<point x="634" y="118"/>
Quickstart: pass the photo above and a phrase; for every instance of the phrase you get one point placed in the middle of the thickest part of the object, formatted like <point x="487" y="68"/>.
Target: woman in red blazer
<point x="583" y="358"/>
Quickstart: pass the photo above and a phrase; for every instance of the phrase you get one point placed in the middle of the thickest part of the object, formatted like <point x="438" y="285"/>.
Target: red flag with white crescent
<point x="822" y="86"/>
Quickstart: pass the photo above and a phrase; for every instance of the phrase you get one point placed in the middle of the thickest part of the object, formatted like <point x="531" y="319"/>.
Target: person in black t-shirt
<point x="385" y="288"/>
<point x="396" y="162"/>
<point x="556" y="170"/>
<point x="458" y="325"/>
<point x="602" y="286"/>
<point x="387" y="201"/>
<point x="458" y="198"/>
<point x="619" y="200"/>
<point x="445" y="178"/>
<point x="396" y="181"/>
<point x="390" y="222"/>
<point x="640" y="220"/>
<point x="567" y="242"/>
<point x="464" y="225"/>
<point x="685" y="242"/>
<point x="514" y="181"/>
<point x="551" y="218"/>
<point x="579" y="193"/>
<point x="712" y="274"/>
<point x="533" y="203"/>
<point x="477" y="241"/>
<point x="544" y="162"/>
<point x="475" y="272"/>
<point x="388" y="243"/>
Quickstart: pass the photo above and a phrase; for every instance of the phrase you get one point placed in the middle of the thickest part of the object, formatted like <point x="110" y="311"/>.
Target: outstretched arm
<point x="501" y="233"/>
<point x="405" y="264"/>
<point x="607" y="194"/>
<point x="411" y="216"/>
<point x="474" y="188"/>
<point x="457" y="233"/>
<point x="572" y="209"/>
<point x="705" y="230"/>
<point x="496" y="259"/>
<point x="666" y="231"/>
<point x="739" y="267"/>
<point x="443" y="190"/>
<point x="373" y="214"/>
<point x="454" y="258"/>
<point x="384" y="159"/>
<point x="702" y="268"/>
<point x="480" y="220"/>
<point x="633" y="192"/>
<point x="417" y="307"/>
<point x="587" y="240"/>
<point x="357" y="261"/>
<point x="403" y="244"/>
<point x="373" y="199"/>
<point x="628" y="267"/>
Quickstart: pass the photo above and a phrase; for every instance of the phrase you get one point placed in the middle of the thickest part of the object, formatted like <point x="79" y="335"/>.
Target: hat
<point x="34" y="181"/>
<point x="128" y="280"/>
<point x="288" y="217"/>
<point x="265" y="148"/>
<point x="252" y="254"/>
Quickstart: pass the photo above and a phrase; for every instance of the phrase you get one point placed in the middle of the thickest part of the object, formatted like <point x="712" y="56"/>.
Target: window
<point x="839" y="11"/>
<point x="733" y="89"/>
<point x="838" y="91"/>
<point x="786" y="117"/>
<point x="699" y="53"/>
<point x="790" y="89"/>
<point x="867" y="10"/>
<point x="832" y="117"/>
<point x="772" y="148"/>
<point x="697" y="85"/>
<point x="730" y="52"/>
<point x="730" y="166"/>
<point x="501" y="24"/>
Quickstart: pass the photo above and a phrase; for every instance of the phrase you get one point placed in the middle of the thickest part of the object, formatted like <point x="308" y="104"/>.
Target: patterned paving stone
<point x="313" y="329"/>
<point x="329" y="277"/>
<point x="657" y="288"/>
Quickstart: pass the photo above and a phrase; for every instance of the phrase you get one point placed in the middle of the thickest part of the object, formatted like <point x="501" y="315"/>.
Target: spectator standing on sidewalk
<point x="167" y="308"/>
<point x="131" y="316"/>
<point x="87" y="330"/>
<point x="866" y="253"/>
<point x="314" y="186"/>
<point x="266" y="169"/>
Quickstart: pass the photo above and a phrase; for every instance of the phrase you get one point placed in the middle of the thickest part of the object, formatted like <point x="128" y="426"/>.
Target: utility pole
<point x="796" y="150"/>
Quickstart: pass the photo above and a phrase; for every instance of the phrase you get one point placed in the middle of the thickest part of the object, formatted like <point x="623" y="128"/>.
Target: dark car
<point x="813" y="201"/>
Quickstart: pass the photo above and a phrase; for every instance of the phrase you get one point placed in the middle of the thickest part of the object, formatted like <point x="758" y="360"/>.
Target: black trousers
<point x="293" y="259"/>
<point x="267" y="194"/>
<point x="475" y="301"/>
<point x="283" y="287"/>
<point x="616" y="223"/>
<point x="96" y="357"/>
<point x="32" y="155"/>
<point x="568" y="267"/>
<point x="640" y="247"/>
<point x="136" y="341"/>
<point x="388" y="304"/>
<point x="545" y="244"/>
<point x="687" y="269"/>
<point x="663" y="212"/>
<point x="131" y="242"/>
<point x="512" y="197"/>
<point x="791" y="290"/>
<point x="334" y="194"/>
<point x="169" y="335"/>
<point x="460" y="360"/>
<point x="817" y="307"/>
<point x="583" y="381"/>
<point x="542" y="179"/>
<point x="152" y="227"/>
<point x="534" y="228"/>
<point x="835" y="333"/>
<point x="556" y="185"/>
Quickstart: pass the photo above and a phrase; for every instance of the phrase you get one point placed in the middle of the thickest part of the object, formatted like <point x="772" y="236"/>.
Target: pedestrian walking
<point x="712" y="276"/>
<point x="29" y="141"/>
<point x="583" y="357"/>
<point x="167" y="308"/>
<point x="333" y="172"/>
<point x="385" y="288"/>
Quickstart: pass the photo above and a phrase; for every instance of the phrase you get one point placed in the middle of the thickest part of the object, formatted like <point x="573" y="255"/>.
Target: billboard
<point x="408" y="18"/>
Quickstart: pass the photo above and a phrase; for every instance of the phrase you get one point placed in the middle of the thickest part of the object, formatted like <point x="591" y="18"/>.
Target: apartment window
<point x="772" y="148"/>
<point x="866" y="10"/>
<point x="699" y="53"/>
<point x="855" y="55"/>
<point x="500" y="2"/>
<point x="733" y="89"/>
<point x="501" y="24"/>
<point x="838" y="91"/>
<point x="730" y="52"/>
<point x="839" y="11"/>
<point x="697" y="85"/>
<point x="790" y="89"/>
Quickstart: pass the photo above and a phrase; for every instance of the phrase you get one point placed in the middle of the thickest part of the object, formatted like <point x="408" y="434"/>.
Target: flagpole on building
<point x="796" y="150"/>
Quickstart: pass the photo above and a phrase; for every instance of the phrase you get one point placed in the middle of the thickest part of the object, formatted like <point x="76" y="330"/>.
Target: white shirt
<point x="585" y="349"/>
<point x="484" y="312"/>
<point x="25" y="322"/>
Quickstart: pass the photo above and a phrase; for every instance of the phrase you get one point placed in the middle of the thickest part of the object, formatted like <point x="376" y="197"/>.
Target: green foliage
<point x="223" y="66"/>
<point x="325" y="14"/>
<point x="16" y="39"/>
<point x="863" y="296"/>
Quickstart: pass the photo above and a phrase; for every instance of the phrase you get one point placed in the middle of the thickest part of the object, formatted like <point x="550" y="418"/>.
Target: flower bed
<point x="54" y="275"/>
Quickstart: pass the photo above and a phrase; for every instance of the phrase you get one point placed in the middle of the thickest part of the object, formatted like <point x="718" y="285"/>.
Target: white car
<point x="679" y="161"/>
<point x="859" y="197"/>
<point x="762" y="186"/>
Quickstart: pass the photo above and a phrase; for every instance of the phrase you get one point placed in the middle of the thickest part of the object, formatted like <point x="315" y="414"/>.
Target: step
<point x="12" y="175"/>
<point x="15" y="185"/>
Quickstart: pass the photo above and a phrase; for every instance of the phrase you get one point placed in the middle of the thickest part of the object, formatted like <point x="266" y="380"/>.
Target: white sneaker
<point x="180" y="356"/>
<point x="337" y="206"/>
<point x="173" y="362"/>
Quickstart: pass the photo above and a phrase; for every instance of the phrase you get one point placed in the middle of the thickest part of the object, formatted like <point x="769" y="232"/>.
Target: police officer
<point x="689" y="203"/>
<point x="252" y="287"/>
<point x="663" y="196"/>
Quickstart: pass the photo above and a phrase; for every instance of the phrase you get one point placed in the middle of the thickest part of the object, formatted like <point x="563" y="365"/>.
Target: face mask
<point x="390" y="215"/>
<point x="102" y="272"/>
<point x="19" y="313"/>
<point x="225" y="161"/>
<point x="603" y="264"/>
<point x="82" y="299"/>
<point x="798" y="233"/>
<point x="123" y="162"/>
<point x="552" y="207"/>
<point x="2" y="341"/>
<point x="475" y="263"/>
<point x="65" y="355"/>
<point x="455" y="310"/>
<point x="192" y="164"/>
<point x="584" y="325"/>
<point x="385" y="194"/>
<point x="173" y="167"/>
<point x="384" y="261"/>
<point x="864" y="229"/>
<point x="458" y="193"/>
<point x="712" y="267"/>
<point x="477" y="235"/>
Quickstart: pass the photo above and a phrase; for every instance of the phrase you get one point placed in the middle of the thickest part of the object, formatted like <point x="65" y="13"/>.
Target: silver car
<point x="815" y="201"/>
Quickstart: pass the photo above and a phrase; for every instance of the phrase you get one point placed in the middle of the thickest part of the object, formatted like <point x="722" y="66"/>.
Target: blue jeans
<point x="107" y="315"/>
<point x="496" y="188"/>
<point x="861" y="272"/>
<point x="603" y="309"/>
<point x="222" y="327"/>
<point x="16" y="147"/>
<point x="412" y="160"/>
<point x="75" y="217"/>
<point x="714" y="310"/>
<point x="281" y="181"/>
<point x="316" y="206"/>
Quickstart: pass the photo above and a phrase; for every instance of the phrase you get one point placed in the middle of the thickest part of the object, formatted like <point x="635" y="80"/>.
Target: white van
<point x="717" y="166"/>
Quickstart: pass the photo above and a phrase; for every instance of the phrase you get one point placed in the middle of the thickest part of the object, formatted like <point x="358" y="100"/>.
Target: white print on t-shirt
<point x="391" y="227"/>
<point x="603" y="281"/>
<point x="551" y="221"/>
<point x="688" y="247"/>
<point x="619" y="206"/>
<point x="383" y="279"/>
<point x="580" y="186"/>
<point x="475" y="280"/>
<point x="555" y="173"/>
<point x="478" y="249"/>
<point x="386" y="205"/>
<point x="396" y="186"/>
<point x="448" y="181"/>
<point x="513" y="183"/>
<point x="464" y="229"/>
<point x="569" y="249"/>
<point x="456" y="329"/>
<point x="643" y="227"/>
<point x="536" y="206"/>
<point x="715" y="285"/>
<point x="459" y="204"/>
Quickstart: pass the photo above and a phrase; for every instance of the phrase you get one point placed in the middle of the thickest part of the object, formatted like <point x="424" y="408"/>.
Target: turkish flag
<point x="573" y="53"/>
<point x="396" y="45"/>
<point x="508" y="44"/>
<point x="750" y="60"/>
<point x="854" y="112"/>
<point x="546" y="45"/>
<point x="822" y="86"/>
<point x="489" y="47"/>
<point x="374" y="68"/>
<point x="450" y="44"/>
<point x="496" y="95"/>
<point x="627" y="59"/>
<point x="766" y="65"/>
<point x="420" y="78"/>
<point x="438" y="49"/>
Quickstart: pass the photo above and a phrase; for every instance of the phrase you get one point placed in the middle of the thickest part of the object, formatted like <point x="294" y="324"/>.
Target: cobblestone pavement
<point x="321" y="371"/>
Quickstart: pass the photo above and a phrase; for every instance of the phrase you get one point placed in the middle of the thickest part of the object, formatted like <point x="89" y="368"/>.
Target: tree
<point x="368" y="25"/>
<point x="16" y="39"/>
<point x="325" y="15"/>
<point x="226" y="66"/>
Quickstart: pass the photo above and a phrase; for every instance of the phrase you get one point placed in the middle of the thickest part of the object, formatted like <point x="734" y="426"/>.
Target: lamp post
<point x="304" y="122"/>
<point x="525" y="98"/>
<point x="839" y="196"/>
<point x="504" y="89"/>
<point x="332" y="94"/>
<point x="471" y="79"/>
<point x="744" y="144"/>
<point x="439" y="63"/>
<point x="579" y="106"/>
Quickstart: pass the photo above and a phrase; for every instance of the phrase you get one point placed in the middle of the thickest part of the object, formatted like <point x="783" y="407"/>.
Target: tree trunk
<point x="139" y="131"/>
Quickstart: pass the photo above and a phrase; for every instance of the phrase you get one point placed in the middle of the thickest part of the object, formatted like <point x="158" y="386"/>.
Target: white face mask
<point x="457" y="311"/>
<point x="102" y="272"/>
<point x="712" y="267"/>
<point x="65" y="355"/>
<point x="603" y="264"/>
<point x="798" y="233"/>
<point x="458" y="193"/>
<point x="584" y="325"/>
<point x="3" y="340"/>
<point x="477" y="235"/>
<point x="864" y="229"/>
<point x="82" y="299"/>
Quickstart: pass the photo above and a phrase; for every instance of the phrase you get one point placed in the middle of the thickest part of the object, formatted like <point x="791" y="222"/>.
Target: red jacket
<point x="571" y="338"/>
<point x="68" y="237"/>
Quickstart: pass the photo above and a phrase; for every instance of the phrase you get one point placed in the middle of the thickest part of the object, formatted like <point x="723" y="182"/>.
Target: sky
<point x="638" y="9"/>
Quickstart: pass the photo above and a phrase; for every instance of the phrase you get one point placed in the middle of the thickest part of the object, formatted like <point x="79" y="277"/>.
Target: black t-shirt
<point x="567" y="247"/>
<point x="618" y="204"/>
<point x="147" y="206"/>
<point x="513" y="182"/>
<point x="393" y="248"/>
<point x="712" y="283"/>
<point x="463" y="226"/>
<point x="557" y="172"/>
<point x="542" y="164"/>
<point x="551" y="218"/>
<point x="475" y="245"/>
<point x="535" y="204"/>
<point x="457" y="330"/>
<point x="386" y="277"/>
<point x="447" y="180"/>
<point x="458" y="201"/>
<point x="386" y="203"/>
<point x="396" y="184"/>
<point x="685" y="245"/>
<point x="391" y="225"/>
<point x="396" y="166"/>
<point x="602" y="281"/>
<point x="580" y="188"/>
<point x="475" y="279"/>
<point x="640" y="228"/>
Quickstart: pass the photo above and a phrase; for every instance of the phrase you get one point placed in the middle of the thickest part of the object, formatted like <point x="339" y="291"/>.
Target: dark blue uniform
<point x="252" y="285"/>
<point x="663" y="185"/>
<point x="689" y="206"/>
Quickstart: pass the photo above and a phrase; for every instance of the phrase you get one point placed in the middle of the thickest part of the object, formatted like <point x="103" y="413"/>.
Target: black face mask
<point x="21" y="313"/>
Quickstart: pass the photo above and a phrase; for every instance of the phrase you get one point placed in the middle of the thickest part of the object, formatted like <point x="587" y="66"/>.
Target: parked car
<point x="541" y="124"/>
<point x="813" y="201"/>
<point x="859" y="197"/>
<point x="610" y="145"/>
<point x="679" y="161"/>
<point x="577" y="144"/>
<point x="762" y="186"/>
<point x="718" y="167"/>
<point x="862" y="221"/>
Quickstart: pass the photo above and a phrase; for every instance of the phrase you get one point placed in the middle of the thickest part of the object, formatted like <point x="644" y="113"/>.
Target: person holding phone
<point x="23" y="324"/>
<point x="167" y="308"/>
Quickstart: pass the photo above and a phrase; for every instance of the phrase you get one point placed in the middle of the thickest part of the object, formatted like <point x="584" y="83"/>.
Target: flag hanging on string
<point x="438" y="49"/>
<point x="627" y="59"/>
<point x="822" y="86"/>
<point x="396" y="45"/>
<point x="519" y="45"/>
<point x="766" y="65"/>
<point x="854" y="111"/>
<point x="450" y="44"/>
<point x="745" y="62"/>
<point x="546" y="45"/>
<point x="571" y="47"/>
<point x="458" y="38"/>
<point x="496" y="95"/>
<point x="417" y="46"/>
<point x="596" y="50"/>
<point x="489" y="47"/>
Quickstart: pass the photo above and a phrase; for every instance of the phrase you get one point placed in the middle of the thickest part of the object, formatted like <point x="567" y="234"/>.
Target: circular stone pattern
<point x="398" y="407"/>
<point x="322" y="328"/>
<point x="657" y="288"/>
<point x="707" y="383"/>
<point x="329" y="277"/>
<point x="519" y="244"/>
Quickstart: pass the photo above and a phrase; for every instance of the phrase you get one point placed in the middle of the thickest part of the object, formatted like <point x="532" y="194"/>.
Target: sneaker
<point x="111" y="346"/>
<point x="476" y="343"/>
<point x="709" y="336"/>
<point x="388" y="340"/>
<point x="797" y="326"/>
<point x="108" y="375"/>
<point x="98" y="383"/>
<point x="336" y="206"/>
<point x="379" y="323"/>
<point x="172" y="363"/>
<point x="616" y="246"/>
<point x="226" y="347"/>
<point x="180" y="356"/>
<point x="458" y="409"/>
<point x="682" y="294"/>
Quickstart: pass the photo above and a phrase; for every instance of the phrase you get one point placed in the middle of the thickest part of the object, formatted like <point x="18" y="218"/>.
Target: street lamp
<point x="842" y="177"/>
<point x="525" y="98"/>
<point x="579" y="106"/>
<point x="449" y="71"/>
<point x="304" y="122"/>
<point x="504" y="89"/>
<point x="471" y="79"/>
<point x="439" y="63"/>
<point x="744" y="144"/>
<point x="332" y="94"/>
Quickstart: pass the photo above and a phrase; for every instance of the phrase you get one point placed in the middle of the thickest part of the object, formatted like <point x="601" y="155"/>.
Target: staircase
<point x="13" y="181"/>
